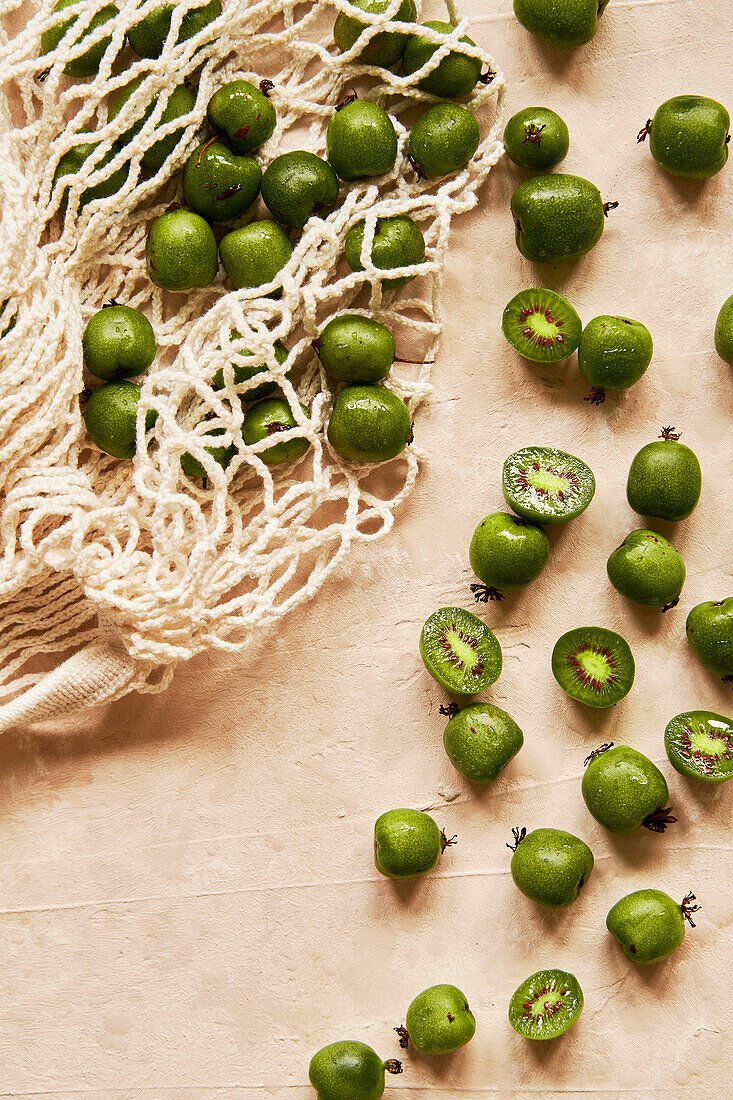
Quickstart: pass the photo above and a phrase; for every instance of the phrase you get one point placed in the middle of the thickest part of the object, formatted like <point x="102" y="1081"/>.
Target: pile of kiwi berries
<point x="220" y="183"/>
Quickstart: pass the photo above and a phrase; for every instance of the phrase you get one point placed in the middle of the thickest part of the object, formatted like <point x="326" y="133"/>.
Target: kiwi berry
<point x="699" y="745"/>
<point x="593" y="665"/>
<point x="541" y="325"/>
<point x="460" y="651"/>
<point x="545" y="485"/>
<point x="546" y="1004"/>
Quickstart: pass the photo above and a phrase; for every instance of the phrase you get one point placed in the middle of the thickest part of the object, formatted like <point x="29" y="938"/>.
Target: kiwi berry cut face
<point x="699" y="745"/>
<point x="545" y="485"/>
<point x="546" y="1004"/>
<point x="541" y="325"/>
<point x="593" y="665"/>
<point x="460" y="651"/>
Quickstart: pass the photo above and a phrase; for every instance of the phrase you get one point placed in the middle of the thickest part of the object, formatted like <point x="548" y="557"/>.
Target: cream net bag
<point x="114" y="571"/>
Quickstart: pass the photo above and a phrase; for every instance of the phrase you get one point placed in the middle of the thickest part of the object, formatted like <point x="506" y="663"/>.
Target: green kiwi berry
<point x="253" y="255"/>
<point x="689" y="136"/>
<point x="369" y="424"/>
<point x="118" y="342"/>
<point x="710" y="634"/>
<point x="536" y="138"/>
<point x="384" y="48"/>
<point x="398" y="242"/>
<point x="438" y="1021"/>
<point x="297" y="186"/>
<point x="349" y="1070"/>
<point x="550" y="866"/>
<point x="557" y="217"/>
<point x="361" y="140"/>
<point x="546" y="1004"/>
<point x="148" y="37"/>
<point x="87" y="64"/>
<point x="544" y="485"/>
<point x="243" y="113"/>
<point x="664" y="479"/>
<point x="443" y="140"/>
<point x="71" y="164"/>
<point x="650" y="925"/>
<point x="480" y="740"/>
<point x="623" y="789"/>
<point x="455" y="75"/>
<point x="647" y="569"/>
<point x="353" y="348"/>
<point x="565" y="23"/>
<point x="699" y="744"/>
<point x="407" y="843"/>
<point x="180" y="102"/>
<point x="181" y="251"/>
<point x="267" y="419"/>
<point x="506" y="553"/>
<point x="111" y="416"/>
<point x="724" y="331"/>
<point x="613" y="354"/>
<point x="218" y="184"/>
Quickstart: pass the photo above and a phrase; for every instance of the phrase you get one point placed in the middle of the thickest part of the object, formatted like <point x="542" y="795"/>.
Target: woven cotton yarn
<point x="132" y="566"/>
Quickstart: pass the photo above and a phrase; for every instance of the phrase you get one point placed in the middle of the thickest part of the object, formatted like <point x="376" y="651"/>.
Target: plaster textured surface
<point x="189" y="903"/>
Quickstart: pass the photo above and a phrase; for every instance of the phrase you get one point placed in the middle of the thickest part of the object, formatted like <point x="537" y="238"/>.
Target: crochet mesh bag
<point x="111" y="572"/>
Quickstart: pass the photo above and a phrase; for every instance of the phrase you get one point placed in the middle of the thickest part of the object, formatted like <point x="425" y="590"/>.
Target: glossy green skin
<point x="576" y="654"/>
<point x="648" y="924"/>
<point x="297" y="186"/>
<point x="347" y="1070"/>
<point x="253" y="255"/>
<point x="397" y="242"/>
<point x="724" y="331"/>
<point x="664" y="480"/>
<point x="72" y="162"/>
<point x="263" y="421"/>
<point x="118" y="342"/>
<point x="243" y="113"/>
<point x="369" y="424"/>
<point x="181" y="251"/>
<point x="361" y="141"/>
<point x="110" y="418"/>
<point x="527" y="502"/>
<point x="536" y="138"/>
<point x="566" y="23"/>
<point x="88" y="63"/>
<point x="557" y="218"/>
<point x="688" y="136"/>
<point x="210" y="175"/>
<point x="243" y="374"/>
<point x="508" y="553"/>
<point x="353" y="348"/>
<point x="481" y="740"/>
<point x="148" y="37"/>
<point x="454" y="77"/>
<point x="551" y="867"/>
<point x="443" y="139"/>
<point x="439" y="1020"/>
<point x="407" y="843"/>
<point x="544" y="986"/>
<point x="445" y="624"/>
<point x="614" y="352"/>
<point x="622" y="787"/>
<point x="710" y="634"/>
<point x="687" y="742"/>
<point x="554" y="335"/>
<point x="647" y="569"/>
<point x="180" y="103"/>
<point x="385" y="48"/>
<point x="223" y="455"/>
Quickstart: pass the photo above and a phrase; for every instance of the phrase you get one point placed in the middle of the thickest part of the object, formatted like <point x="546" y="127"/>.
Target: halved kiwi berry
<point x="546" y="1004"/>
<point x="545" y="485"/>
<point x="541" y="325"/>
<point x="699" y="745"/>
<point x="593" y="665"/>
<point x="460" y="651"/>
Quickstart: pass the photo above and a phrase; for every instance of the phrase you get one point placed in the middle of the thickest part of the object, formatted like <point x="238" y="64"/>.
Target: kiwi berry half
<point x="546" y="1004"/>
<point x="460" y="651"/>
<point x="545" y="485"/>
<point x="593" y="665"/>
<point x="699" y="745"/>
<point x="541" y="325"/>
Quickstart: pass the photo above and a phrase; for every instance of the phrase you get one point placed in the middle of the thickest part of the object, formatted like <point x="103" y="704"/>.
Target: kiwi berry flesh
<point x="546" y="1004"/>
<point x="545" y="485"/>
<point x="460" y="651"/>
<point x="541" y="325"/>
<point x="593" y="665"/>
<point x="699" y="745"/>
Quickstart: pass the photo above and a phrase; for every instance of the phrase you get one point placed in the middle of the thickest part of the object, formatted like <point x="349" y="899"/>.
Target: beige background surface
<point x="189" y="902"/>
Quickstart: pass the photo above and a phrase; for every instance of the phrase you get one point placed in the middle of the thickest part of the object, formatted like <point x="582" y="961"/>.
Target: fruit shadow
<point x="560" y="1052"/>
<point x="653" y="980"/>
<point x="439" y="1066"/>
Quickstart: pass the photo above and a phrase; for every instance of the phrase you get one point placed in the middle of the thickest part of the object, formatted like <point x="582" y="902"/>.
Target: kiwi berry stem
<point x="266" y="87"/>
<point x="175" y="205"/>
<point x="687" y="908"/>
<point x="447" y="842"/>
<point x="393" y="1066"/>
<point x="644" y="132"/>
<point x="404" y="1037"/>
<point x="84" y="396"/>
<point x="43" y="75"/>
<point x="345" y="102"/>
<point x="416" y="168"/>
<point x="658" y="821"/>
<point x="595" y="396"/>
<point x="669" y="606"/>
<point x="608" y="207"/>
<point x="203" y="150"/>
<point x="450" y="710"/>
<point x="110" y="303"/>
<point x="519" y="835"/>
<point x="598" y="752"/>
<point x="487" y="77"/>
<point x="482" y="593"/>
<point x="669" y="433"/>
